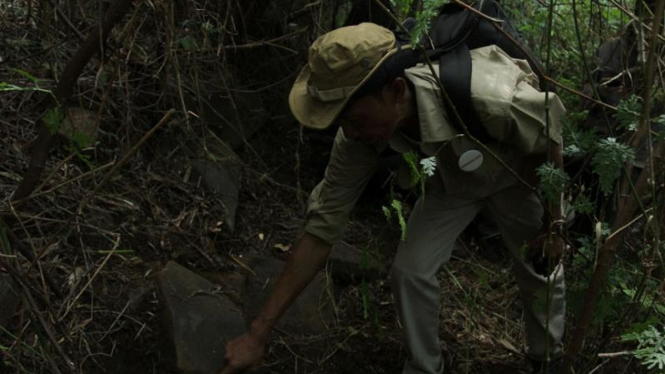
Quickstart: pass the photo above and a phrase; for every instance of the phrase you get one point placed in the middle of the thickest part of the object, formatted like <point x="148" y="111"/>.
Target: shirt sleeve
<point x="350" y="168"/>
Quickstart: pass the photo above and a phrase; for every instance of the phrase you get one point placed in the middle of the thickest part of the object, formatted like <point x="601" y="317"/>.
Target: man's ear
<point x="398" y="88"/>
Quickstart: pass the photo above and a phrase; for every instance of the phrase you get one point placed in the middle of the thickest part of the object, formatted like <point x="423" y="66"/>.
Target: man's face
<point x="372" y="118"/>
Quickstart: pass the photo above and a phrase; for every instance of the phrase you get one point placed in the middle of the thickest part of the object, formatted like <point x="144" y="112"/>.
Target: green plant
<point x="577" y="142"/>
<point x="420" y="171"/>
<point x="53" y="119"/>
<point x="608" y="160"/>
<point x="7" y="87"/>
<point x="553" y="181"/>
<point x="628" y="113"/>
<point x="650" y="348"/>
<point x="396" y="206"/>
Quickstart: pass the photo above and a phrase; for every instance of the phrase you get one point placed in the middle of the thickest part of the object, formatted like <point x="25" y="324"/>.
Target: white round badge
<point x="470" y="160"/>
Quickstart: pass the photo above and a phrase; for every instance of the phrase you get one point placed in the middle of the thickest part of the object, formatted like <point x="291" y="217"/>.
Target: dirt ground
<point x="151" y="216"/>
<point x="102" y="306"/>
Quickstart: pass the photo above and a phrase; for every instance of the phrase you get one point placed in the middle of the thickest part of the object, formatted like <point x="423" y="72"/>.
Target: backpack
<point x="455" y="32"/>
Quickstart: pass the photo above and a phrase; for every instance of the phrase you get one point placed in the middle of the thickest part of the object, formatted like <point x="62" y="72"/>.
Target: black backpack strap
<point x="455" y="75"/>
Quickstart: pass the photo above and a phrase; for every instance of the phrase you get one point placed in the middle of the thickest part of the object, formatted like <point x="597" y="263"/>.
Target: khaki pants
<point x="433" y="227"/>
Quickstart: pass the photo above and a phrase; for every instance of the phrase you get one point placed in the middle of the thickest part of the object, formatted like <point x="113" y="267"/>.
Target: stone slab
<point x="348" y="264"/>
<point x="312" y="312"/>
<point x="198" y="321"/>
<point x="223" y="179"/>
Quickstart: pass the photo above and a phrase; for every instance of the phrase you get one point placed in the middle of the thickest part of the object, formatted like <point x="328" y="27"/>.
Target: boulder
<point x="198" y="321"/>
<point x="9" y="298"/>
<point x="311" y="313"/>
<point x="348" y="264"/>
<point x="223" y="179"/>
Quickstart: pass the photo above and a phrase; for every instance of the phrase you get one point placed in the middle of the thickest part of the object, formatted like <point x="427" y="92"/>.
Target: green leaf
<point x="583" y="204"/>
<point x="386" y="212"/>
<point x="53" y="118"/>
<point x="608" y="160"/>
<point x="577" y="141"/>
<point x="650" y="347"/>
<point x="188" y="43"/>
<point x="82" y="140"/>
<point x="660" y="123"/>
<point x="553" y="181"/>
<point x="411" y="159"/>
<point x="628" y="113"/>
<point x="27" y="75"/>
<point x="401" y="8"/>
<point x="397" y="206"/>
<point x="424" y="21"/>
<point x="428" y="165"/>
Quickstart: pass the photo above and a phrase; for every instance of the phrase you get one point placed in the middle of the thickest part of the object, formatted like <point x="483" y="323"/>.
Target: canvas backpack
<point x="456" y="31"/>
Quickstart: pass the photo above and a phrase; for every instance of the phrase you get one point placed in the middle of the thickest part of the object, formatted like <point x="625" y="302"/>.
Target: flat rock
<point x="223" y="179"/>
<point x="198" y="320"/>
<point x="9" y="299"/>
<point x="312" y="312"/>
<point x="348" y="264"/>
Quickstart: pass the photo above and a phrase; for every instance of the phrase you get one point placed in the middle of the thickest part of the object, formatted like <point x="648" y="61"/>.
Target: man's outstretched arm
<point x="309" y="256"/>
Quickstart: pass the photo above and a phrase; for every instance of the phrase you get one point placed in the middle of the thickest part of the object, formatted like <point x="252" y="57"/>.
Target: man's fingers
<point x="229" y="369"/>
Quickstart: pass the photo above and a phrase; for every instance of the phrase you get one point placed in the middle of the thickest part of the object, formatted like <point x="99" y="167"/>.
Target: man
<point x="354" y="79"/>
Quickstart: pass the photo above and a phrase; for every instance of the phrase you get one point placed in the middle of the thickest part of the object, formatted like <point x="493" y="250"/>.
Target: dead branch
<point x="92" y="45"/>
<point x="32" y="306"/>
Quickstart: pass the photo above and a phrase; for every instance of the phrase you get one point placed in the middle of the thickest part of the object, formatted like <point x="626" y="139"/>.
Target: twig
<point x="33" y="309"/>
<point x="121" y="314"/>
<point x="615" y="354"/>
<point x="65" y="183"/>
<point x="589" y="76"/>
<point x="116" y="167"/>
<point x="242" y="264"/>
<point x="91" y="46"/>
<point x="634" y="18"/>
<point x="30" y="256"/>
<point x="261" y="43"/>
<point x="124" y="160"/>
<point x="67" y="21"/>
<point x="627" y="225"/>
<point x="99" y="268"/>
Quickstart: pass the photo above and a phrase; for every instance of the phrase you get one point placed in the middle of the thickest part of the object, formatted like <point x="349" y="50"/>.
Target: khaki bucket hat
<point x="339" y="63"/>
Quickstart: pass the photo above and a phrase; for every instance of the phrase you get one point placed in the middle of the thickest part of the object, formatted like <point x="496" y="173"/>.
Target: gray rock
<point x="350" y="265"/>
<point x="198" y="320"/>
<point x="221" y="178"/>
<point x="9" y="299"/>
<point x="311" y="313"/>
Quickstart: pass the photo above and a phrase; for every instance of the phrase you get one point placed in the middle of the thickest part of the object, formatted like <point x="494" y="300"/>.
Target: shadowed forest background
<point x="135" y="133"/>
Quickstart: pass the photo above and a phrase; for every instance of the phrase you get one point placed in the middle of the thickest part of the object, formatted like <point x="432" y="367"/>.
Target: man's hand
<point x="244" y="352"/>
<point x="545" y="251"/>
<point x="309" y="256"/>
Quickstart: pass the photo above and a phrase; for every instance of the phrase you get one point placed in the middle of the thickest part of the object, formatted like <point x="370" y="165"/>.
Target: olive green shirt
<point x="505" y="96"/>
